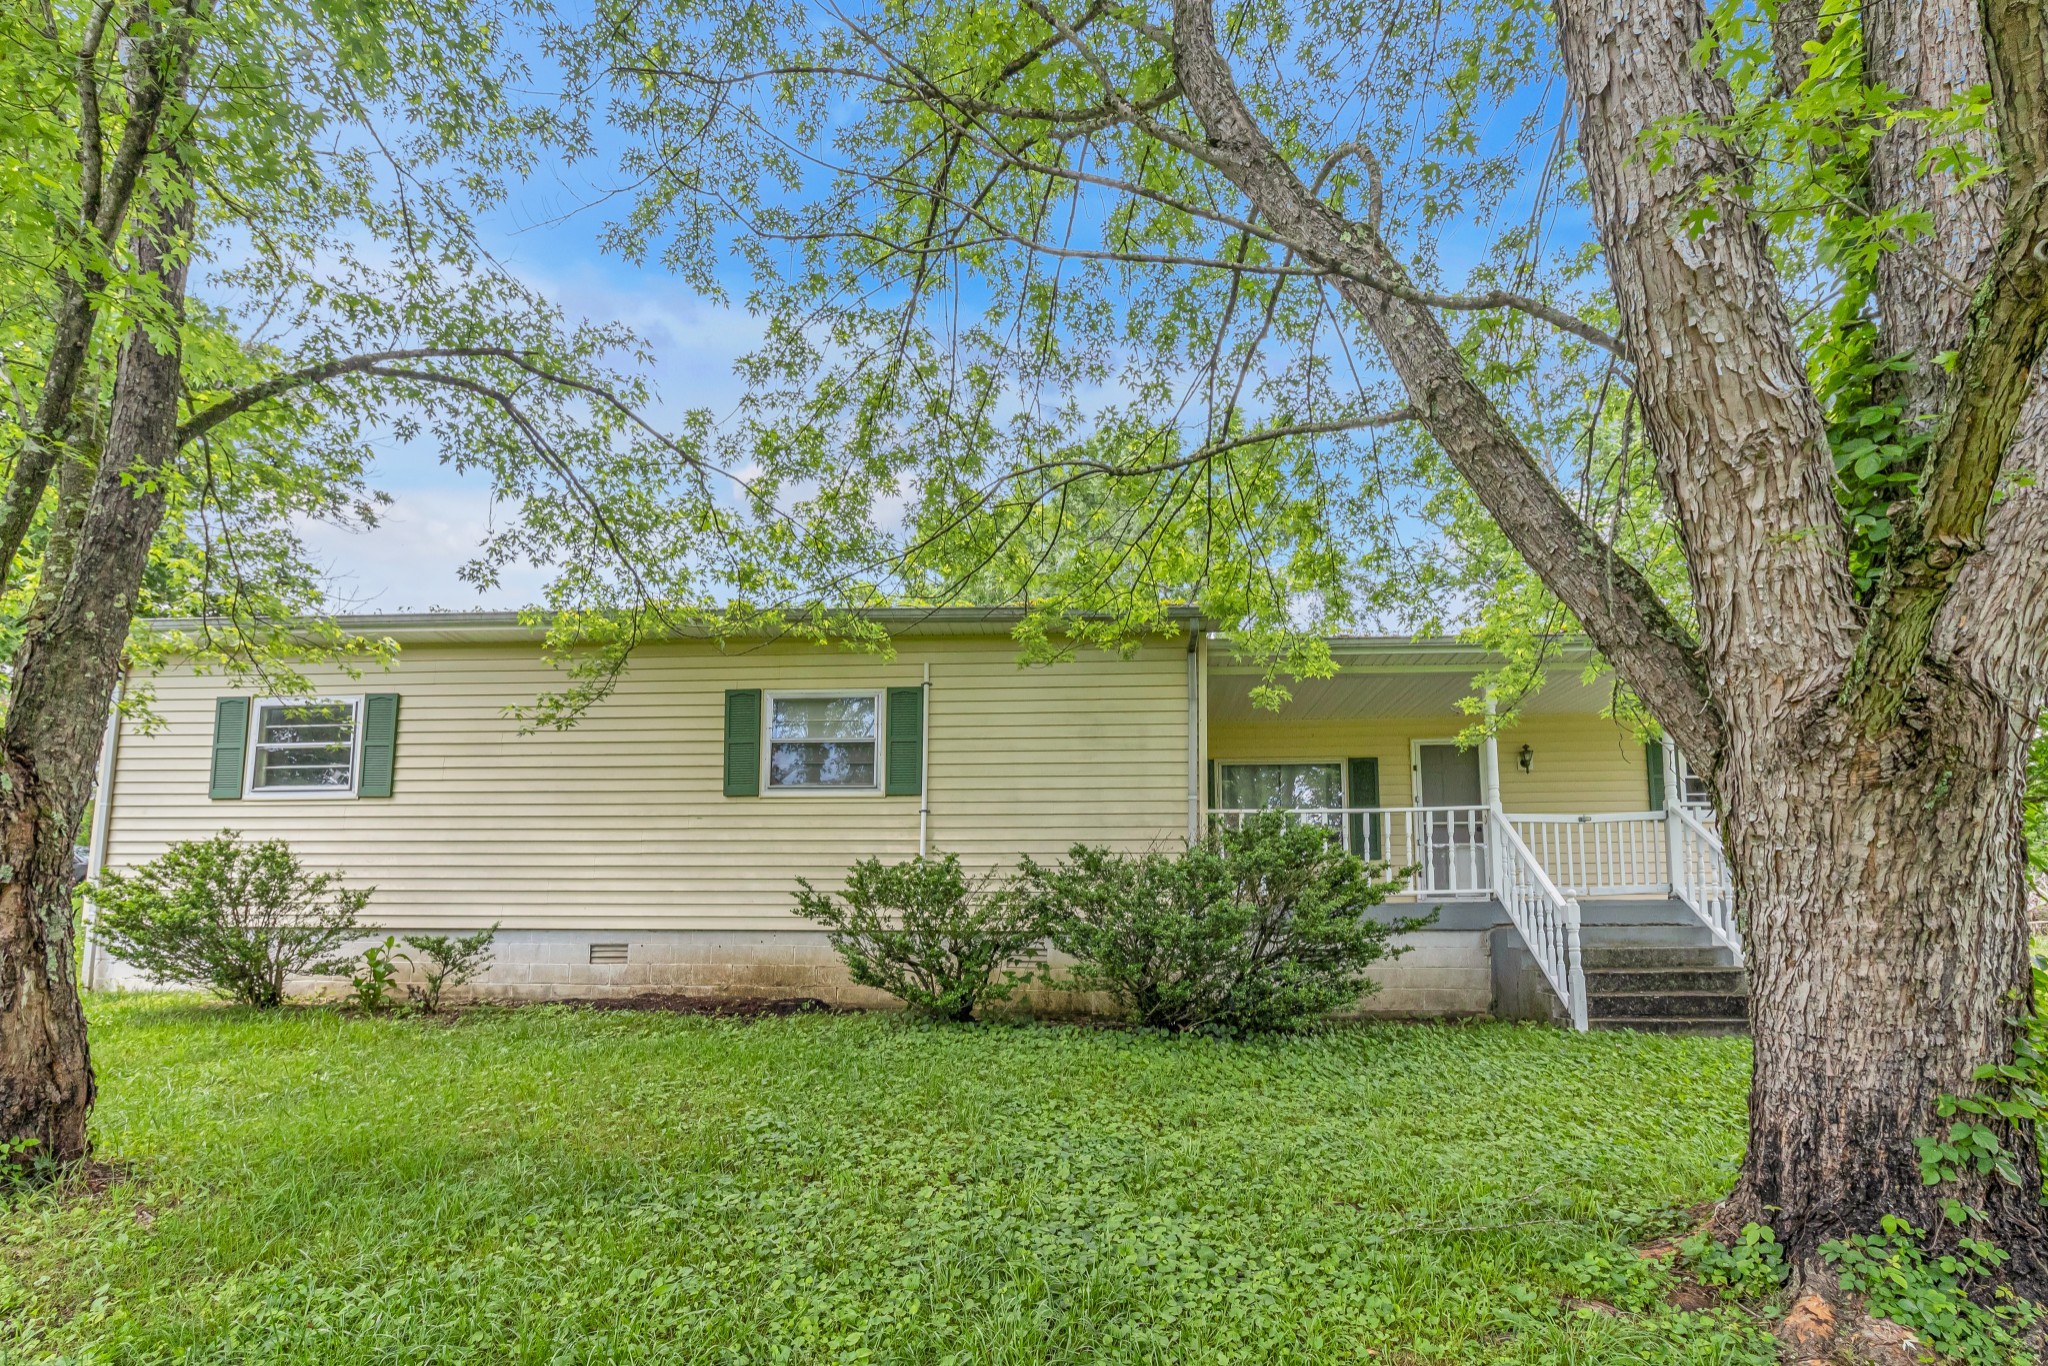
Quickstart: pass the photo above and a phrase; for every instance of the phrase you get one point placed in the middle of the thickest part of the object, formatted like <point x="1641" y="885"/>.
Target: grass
<point x="546" y="1185"/>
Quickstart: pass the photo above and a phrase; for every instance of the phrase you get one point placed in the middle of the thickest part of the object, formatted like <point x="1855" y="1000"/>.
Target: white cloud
<point x="408" y="562"/>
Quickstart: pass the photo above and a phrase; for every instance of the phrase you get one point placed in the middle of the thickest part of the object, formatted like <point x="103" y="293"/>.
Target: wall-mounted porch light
<point x="1527" y="759"/>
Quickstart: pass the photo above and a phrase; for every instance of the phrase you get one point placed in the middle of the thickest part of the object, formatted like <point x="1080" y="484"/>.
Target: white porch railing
<point x="1700" y="878"/>
<point x="1611" y="854"/>
<point x="1537" y="866"/>
<point x="1545" y="917"/>
<point x="1445" y="845"/>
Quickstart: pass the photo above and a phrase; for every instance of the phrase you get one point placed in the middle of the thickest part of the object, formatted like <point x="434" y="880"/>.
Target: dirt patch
<point x="1818" y="1332"/>
<point x="96" y="1178"/>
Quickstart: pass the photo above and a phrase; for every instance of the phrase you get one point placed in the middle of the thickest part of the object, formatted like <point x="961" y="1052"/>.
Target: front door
<point x="1453" y="827"/>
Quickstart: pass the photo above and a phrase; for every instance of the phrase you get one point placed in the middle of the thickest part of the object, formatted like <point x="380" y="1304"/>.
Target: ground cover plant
<point x="544" y="1184"/>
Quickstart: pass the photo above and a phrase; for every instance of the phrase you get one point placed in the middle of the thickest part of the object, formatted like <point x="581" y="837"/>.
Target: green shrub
<point x="236" y="918"/>
<point x="1263" y="927"/>
<point x="445" y="961"/>
<point x="370" y="976"/>
<point x="926" y="934"/>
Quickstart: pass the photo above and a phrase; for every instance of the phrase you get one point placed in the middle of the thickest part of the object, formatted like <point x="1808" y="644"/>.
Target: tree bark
<point x="154" y="69"/>
<point x="1878" y="866"/>
<point x="1883" y="898"/>
<point x="1934" y="54"/>
<point x="57" y="711"/>
<point x="1610" y="597"/>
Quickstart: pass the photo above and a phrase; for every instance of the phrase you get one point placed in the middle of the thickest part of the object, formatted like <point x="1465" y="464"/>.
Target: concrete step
<point x="1606" y="981"/>
<point x="1694" y="935"/>
<point x="1652" y="956"/>
<point x="1656" y="1026"/>
<point x="1668" y="1005"/>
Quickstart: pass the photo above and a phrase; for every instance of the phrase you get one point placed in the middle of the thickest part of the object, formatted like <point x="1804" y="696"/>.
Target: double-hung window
<point x="824" y="742"/>
<point x="305" y="747"/>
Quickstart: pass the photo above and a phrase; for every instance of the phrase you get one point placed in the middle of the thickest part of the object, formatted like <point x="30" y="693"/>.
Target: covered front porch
<point x="1535" y="823"/>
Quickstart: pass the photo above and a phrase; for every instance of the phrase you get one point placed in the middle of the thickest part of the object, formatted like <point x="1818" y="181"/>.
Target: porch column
<point x="1195" y="710"/>
<point x="1489" y="792"/>
<point x="1489" y="761"/>
<point x="1674" y="838"/>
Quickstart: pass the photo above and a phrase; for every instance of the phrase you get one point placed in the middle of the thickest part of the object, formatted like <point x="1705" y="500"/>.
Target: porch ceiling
<point x="1393" y="691"/>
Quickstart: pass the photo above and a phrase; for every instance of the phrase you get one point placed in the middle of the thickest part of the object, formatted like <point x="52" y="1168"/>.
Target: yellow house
<point x="655" y="845"/>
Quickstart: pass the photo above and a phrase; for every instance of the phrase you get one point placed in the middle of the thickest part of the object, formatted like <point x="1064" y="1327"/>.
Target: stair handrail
<point x="1546" y="918"/>
<point x="1704" y="881"/>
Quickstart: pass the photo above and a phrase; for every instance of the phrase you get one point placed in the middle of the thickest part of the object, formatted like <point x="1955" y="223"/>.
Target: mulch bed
<point x="721" y="1007"/>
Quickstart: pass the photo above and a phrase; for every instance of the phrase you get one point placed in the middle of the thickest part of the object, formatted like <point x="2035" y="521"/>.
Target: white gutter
<point x="924" y="763"/>
<point x="96" y="842"/>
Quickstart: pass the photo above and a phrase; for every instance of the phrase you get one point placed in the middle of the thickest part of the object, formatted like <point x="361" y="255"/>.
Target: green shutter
<point x="380" y="744"/>
<point x="1212" y="784"/>
<point x="1365" y="791"/>
<point x="1653" y="757"/>
<point x="230" y="746"/>
<point x="904" y="735"/>
<point x="743" y="742"/>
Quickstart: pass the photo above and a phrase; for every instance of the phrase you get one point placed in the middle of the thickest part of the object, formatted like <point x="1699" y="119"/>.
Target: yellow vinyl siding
<point x="1284" y="741"/>
<point x="1582" y="763"/>
<point x="621" y="821"/>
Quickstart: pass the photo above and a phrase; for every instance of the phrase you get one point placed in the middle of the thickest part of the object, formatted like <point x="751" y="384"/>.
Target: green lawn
<point x="555" y="1185"/>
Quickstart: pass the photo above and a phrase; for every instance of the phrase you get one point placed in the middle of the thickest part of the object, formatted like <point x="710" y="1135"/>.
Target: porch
<point x="1548" y="847"/>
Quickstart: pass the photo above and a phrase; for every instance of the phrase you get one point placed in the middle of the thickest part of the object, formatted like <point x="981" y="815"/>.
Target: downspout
<point x="96" y="842"/>
<point x="924" y="762"/>
<point x="1194" y="743"/>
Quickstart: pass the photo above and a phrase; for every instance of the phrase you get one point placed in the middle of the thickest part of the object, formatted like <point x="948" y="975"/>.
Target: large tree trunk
<point x="1877" y="865"/>
<point x="1883" y="894"/>
<point x="57" y="711"/>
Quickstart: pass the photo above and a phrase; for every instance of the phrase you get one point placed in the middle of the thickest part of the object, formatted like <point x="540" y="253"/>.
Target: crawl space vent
<point x="607" y="953"/>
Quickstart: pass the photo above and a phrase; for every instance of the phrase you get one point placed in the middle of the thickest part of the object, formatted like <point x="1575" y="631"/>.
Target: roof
<point x="479" y="626"/>
<point x="1426" y="654"/>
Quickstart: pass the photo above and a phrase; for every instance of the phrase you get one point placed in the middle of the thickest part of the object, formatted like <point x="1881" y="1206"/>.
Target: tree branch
<point x="242" y="400"/>
<point x="1139" y="114"/>
<point x="155" y="69"/>
<point x="1740" y="439"/>
<point x="1609" y="595"/>
<point x="1994" y="373"/>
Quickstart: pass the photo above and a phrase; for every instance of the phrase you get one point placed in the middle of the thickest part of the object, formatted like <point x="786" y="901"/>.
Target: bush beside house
<point x="927" y="934"/>
<point x="1264" y="927"/>
<point x="237" y="918"/>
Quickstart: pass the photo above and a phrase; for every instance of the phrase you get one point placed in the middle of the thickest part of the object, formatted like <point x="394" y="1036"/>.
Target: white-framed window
<point x="1294" y="786"/>
<point x="305" y="746"/>
<point x="823" y="742"/>
<point x="1692" y="788"/>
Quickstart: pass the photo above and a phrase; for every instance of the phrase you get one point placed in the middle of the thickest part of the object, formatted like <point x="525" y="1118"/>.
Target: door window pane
<point x="304" y="746"/>
<point x="822" y="741"/>
<point x="1450" y="775"/>
<point x="1281" y="787"/>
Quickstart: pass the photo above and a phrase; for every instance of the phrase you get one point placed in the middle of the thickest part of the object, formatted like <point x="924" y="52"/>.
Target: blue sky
<point x="547" y="234"/>
<point x="410" y="561"/>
